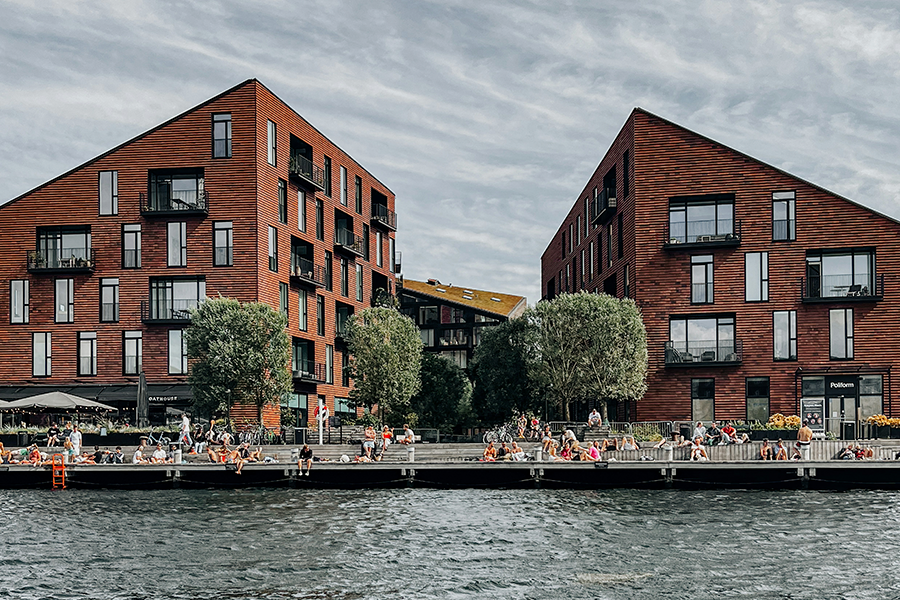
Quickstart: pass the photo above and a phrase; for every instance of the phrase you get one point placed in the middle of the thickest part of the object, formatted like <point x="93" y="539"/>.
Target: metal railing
<point x="62" y="258"/>
<point x="306" y="270"/>
<point x="168" y="310"/>
<point x="348" y="240"/>
<point x="300" y="166"/>
<point x="309" y="370"/>
<point x="840" y="287"/>
<point x="382" y="214"/>
<point x="709" y="231"/>
<point x="176" y="202"/>
<point x="679" y="353"/>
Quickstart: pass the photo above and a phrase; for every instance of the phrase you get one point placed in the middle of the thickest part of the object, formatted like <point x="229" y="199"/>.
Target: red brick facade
<point x="242" y="189"/>
<point x="669" y="169"/>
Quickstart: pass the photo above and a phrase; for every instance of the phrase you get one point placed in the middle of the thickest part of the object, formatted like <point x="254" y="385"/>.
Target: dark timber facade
<point x="239" y="196"/>
<point x="761" y="292"/>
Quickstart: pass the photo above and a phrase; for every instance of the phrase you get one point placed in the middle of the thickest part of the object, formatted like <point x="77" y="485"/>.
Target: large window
<point x="784" y="219"/>
<point x="132" y="352"/>
<point x="303" y="310"/>
<point x="18" y="301"/>
<point x="176" y="244"/>
<point x="173" y="299"/>
<point x="365" y="236"/>
<point x="273" y="249"/>
<point x="329" y="272"/>
<point x="428" y="315"/>
<point x="87" y="353"/>
<point x="282" y="201"/>
<point x="109" y="300"/>
<point x="283" y="297"/>
<point x="223" y="244"/>
<point x="784" y="325"/>
<point x="109" y="192"/>
<point x="221" y="135"/>
<point x="756" y="276"/>
<point x="345" y="289"/>
<point x="591" y="261"/>
<point x="178" y="363"/>
<point x="703" y="339"/>
<point x="301" y="210"/>
<point x="703" y="399"/>
<point x="359" y="199"/>
<point x="272" y="143"/>
<point x="320" y="315"/>
<point x="65" y="301"/>
<point x="834" y="274"/>
<point x="702" y="219"/>
<point x="63" y="247"/>
<point x="131" y="246"/>
<point x="757" y="399"/>
<point x="177" y="190"/>
<point x="427" y="336"/>
<point x="344" y="186"/>
<point x="320" y="220"/>
<point x="359" y="282"/>
<point x="840" y="328"/>
<point x="326" y="163"/>
<point x="702" y="279"/>
<point x="40" y="354"/>
<point x="379" y="250"/>
<point x="329" y="363"/>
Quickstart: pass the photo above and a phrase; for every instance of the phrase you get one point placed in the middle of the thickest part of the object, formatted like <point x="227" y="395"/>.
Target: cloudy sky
<point x="485" y="118"/>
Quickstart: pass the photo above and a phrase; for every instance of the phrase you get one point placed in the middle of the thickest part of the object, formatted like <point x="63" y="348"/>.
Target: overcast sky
<point x="485" y="118"/>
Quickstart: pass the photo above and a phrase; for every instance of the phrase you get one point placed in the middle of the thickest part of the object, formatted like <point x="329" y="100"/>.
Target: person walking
<point x="804" y="438"/>
<point x="184" y="437"/>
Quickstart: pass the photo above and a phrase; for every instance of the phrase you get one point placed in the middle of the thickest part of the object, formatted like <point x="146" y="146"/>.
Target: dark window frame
<point x="26" y="301"/>
<point x="849" y="324"/>
<point x="789" y="199"/>
<point x="227" y="227"/>
<point x="224" y="141"/>
<point x="91" y="338"/>
<point x="705" y="260"/>
<point x="104" y="285"/>
<point x="791" y="335"/>
<point x="139" y="354"/>
<point x="135" y="234"/>
<point x="114" y="193"/>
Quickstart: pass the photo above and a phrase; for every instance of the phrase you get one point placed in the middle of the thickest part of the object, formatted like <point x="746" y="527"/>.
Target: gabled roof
<point x="504" y="305"/>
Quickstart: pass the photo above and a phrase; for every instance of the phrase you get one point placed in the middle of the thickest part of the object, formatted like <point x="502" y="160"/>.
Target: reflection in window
<point x="784" y="220"/>
<point x="784" y="324"/>
<point x="704" y="340"/>
<point x="699" y="221"/>
<point x="702" y="279"/>
<point x="837" y="274"/>
<point x="841" y="332"/>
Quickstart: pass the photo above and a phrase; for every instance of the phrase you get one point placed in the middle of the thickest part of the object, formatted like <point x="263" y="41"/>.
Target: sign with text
<point x="841" y="386"/>
<point x="813" y="410"/>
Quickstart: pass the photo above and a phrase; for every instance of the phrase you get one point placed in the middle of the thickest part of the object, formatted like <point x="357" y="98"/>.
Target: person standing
<point x="184" y="437"/>
<point x="804" y="438"/>
<point x="75" y="438"/>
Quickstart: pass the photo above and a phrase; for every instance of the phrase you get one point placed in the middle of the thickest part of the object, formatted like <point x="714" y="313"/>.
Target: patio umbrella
<point x="57" y="400"/>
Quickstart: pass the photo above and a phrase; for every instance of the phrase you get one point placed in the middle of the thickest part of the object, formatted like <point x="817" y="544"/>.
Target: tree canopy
<point x="240" y="354"/>
<point x="442" y="401"/>
<point x="385" y="356"/>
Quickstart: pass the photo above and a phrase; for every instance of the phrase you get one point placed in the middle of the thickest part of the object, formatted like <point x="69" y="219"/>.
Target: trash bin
<point x="411" y="453"/>
<point x="179" y="457"/>
<point x="22" y="438"/>
<point x="848" y="429"/>
<point x="299" y="435"/>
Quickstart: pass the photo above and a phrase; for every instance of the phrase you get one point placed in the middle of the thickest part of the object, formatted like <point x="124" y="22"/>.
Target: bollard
<point x="670" y="453"/>
<point x="411" y="454"/>
<point x="178" y="456"/>
<point x="539" y="454"/>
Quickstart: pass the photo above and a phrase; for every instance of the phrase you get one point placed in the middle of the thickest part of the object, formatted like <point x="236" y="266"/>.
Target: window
<point x="328" y="272"/>
<point x="428" y="315"/>
<point x="131" y="246"/>
<point x="303" y="311"/>
<point x="784" y="325"/>
<point x="621" y="238"/>
<point x="301" y="210"/>
<point x="578" y="229"/>
<point x="320" y="220"/>
<point x="587" y="218"/>
<point x="221" y="135"/>
<point x="176" y="244"/>
<point x="365" y="242"/>
<point x="327" y="165"/>
<point x="178" y="364"/>
<point x="131" y="352"/>
<point x="345" y="369"/>
<point x="358" y="182"/>
<point x="109" y="192"/>
<point x="757" y="399"/>
<point x="699" y="339"/>
<point x="271" y="143"/>
<point x="600" y="252"/>
<point x="320" y="315"/>
<point x="870" y="396"/>
<point x="379" y="252"/>
<point x="563" y="244"/>
<point x="701" y="219"/>
<point x="702" y="279"/>
<point x="176" y="190"/>
<point x="343" y="172"/>
<point x="627" y="282"/>
<point x="18" y="301"/>
<point x="457" y="357"/>
<point x="65" y="301"/>
<point x="784" y="219"/>
<point x="273" y="249"/>
<point x="64" y="247"/>
<point x="591" y="261"/>
<point x="626" y="169"/>
<point x="87" y="353"/>
<point x="836" y="274"/>
<point x="283" y="295"/>
<point x="841" y="332"/>
<point x="568" y="276"/>
<point x="571" y="238"/>
<point x="282" y="201"/>
<point x="329" y="363"/>
<point x="427" y="336"/>
<point x="359" y="283"/>
<point x="609" y="245"/>
<point x="40" y="354"/>
<point x="451" y="315"/>
<point x="756" y="276"/>
<point x="392" y="256"/>
<point x="223" y="250"/>
<point x="703" y="399"/>
<point x="345" y="291"/>
<point x="173" y="299"/>
<point x="109" y="300"/>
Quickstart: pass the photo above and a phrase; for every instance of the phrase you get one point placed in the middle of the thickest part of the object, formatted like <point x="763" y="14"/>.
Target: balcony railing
<point x="76" y="260"/>
<point x="703" y="354"/>
<point x="344" y="239"/>
<point x="841" y="288"/>
<point x="341" y="332"/>
<point x="703" y="234"/>
<point x="604" y="206"/>
<point x="310" y="371"/>
<point x="307" y="272"/>
<point x="171" y="311"/>
<point x="178" y="203"/>
<point x="303" y="169"/>
<point x="382" y="215"/>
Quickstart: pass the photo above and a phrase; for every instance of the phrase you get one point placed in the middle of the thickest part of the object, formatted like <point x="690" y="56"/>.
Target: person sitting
<point x="566" y="453"/>
<point x="366" y="456"/>
<point x="409" y="436"/>
<point x="847" y="453"/>
<point x="593" y="452"/>
<point x="53" y="435"/>
<point x="547" y="439"/>
<point x="714" y="435"/>
<point x="728" y="433"/>
<point x="117" y="457"/>
<point x="138" y="457"/>
<point x="609" y="445"/>
<point x="594" y="419"/>
<point x="516" y="453"/>
<point x="386" y="436"/>
<point x="490" y="453"/>
<point x="554" y="456"/>
<point x="245" y="453"/>
<point x="698" y="452"/>
<point x="765" y="451"/>
<point x="369" y="441"/>
<point x="33" y="456"/>
<point x="503" y="451"/>
<point x="99" y="455"/>
<point x="741" y="439"/>
<point x="568" y="437"/>
<point x="628" y="443"/>
<point x="159" y="455"/>
<point x="795" y="452"/>
<point x="780" y="451"/>
<point x="699" y="430"/>
<point x="521" y="423"/>
<point x="305" y="456"/>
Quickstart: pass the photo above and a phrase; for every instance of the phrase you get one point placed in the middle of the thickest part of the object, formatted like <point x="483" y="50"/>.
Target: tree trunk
<point x="604" y="410"/>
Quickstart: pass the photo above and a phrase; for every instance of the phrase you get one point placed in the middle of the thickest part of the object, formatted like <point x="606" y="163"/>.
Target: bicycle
<point x="501" y="433"/>
<point x="161" y="440"/>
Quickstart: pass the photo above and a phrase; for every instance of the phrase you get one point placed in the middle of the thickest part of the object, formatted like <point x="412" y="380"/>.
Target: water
<point x="303" y="544"/>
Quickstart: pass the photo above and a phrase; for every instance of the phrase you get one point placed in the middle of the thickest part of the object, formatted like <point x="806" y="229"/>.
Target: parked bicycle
<point x="501" y="433"/>
<point x="160" y="439"/>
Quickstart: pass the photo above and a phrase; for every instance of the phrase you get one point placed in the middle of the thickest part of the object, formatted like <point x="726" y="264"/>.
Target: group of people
<point x="718" y="436"/>
<point x="375" y="445"/>
<point x="514" y="452"/>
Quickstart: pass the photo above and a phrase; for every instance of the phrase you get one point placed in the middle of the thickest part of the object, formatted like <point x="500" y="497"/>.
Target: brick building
<point x="239" y="196"/>
<point x="760" y="292"/>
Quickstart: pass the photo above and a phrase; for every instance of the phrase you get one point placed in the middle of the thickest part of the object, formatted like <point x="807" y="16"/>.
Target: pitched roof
<point x="505" y="305"/>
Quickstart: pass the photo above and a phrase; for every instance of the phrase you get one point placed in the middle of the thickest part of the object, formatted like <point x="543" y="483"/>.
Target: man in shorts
<point x="306" y="456"/>
<point x="804" y="438"/>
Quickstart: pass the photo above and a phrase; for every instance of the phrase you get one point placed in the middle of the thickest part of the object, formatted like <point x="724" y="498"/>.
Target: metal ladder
<point x="59" y="472"/>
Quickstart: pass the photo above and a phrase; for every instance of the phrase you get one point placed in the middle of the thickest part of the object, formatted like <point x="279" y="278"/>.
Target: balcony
<point x="840" y="288"/>
<point x="341" y="333"/>
<point x="704" y="354"/>
<point x="65" y="260"/>
<point x="174" y="312"/>
<point x="382" y="215"/>
<point x="305" y="272"/>
<point x="603" y="207"/>
<point x="724" y="233"/>
<point x="308" y="371"/>
<point x="186" y="204"/>
<point x="347" y="241"/>
<point x="302" y="170"/>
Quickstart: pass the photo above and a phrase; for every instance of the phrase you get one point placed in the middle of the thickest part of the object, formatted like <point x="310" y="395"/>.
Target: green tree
<point x="561" y="346"/>
<point x="442" y="401"/>
<point x="507" y="371"/>
<point x="240" y="353"/>
<point x="385" y="354"/>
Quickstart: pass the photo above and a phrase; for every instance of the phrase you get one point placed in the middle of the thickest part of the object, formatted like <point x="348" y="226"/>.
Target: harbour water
<point x="360" y="544"/>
